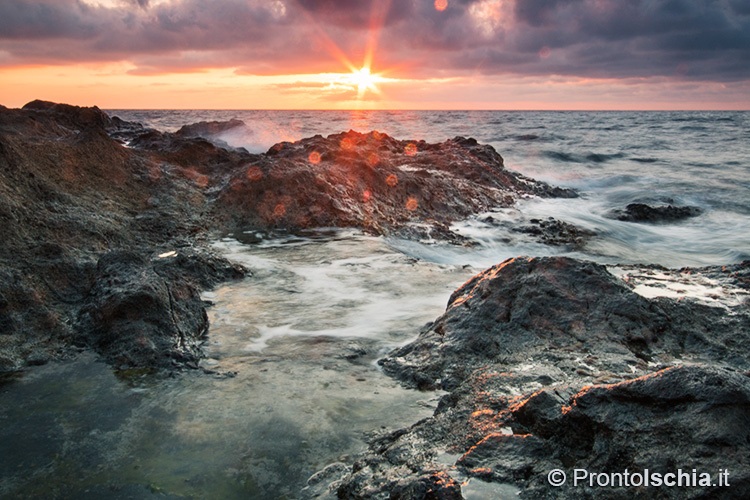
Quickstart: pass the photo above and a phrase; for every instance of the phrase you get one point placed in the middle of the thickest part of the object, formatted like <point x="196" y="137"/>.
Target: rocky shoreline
<point x="107" y="222"/>
<point x="546" y="363"/>
<point x="555" y="363"/>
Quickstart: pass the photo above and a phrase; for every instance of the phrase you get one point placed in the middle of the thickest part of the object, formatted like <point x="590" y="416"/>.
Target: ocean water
<point x="611" y="158"/>
<point x="295" y="346"/>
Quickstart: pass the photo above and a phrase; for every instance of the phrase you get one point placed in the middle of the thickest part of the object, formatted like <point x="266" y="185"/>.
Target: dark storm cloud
<point x="356" y="14"/>
<point x="44" y="20"/>
<point x="688" y="39"/>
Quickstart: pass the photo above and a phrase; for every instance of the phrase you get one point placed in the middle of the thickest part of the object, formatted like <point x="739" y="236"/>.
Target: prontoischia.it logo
<point x="646" y="478"/>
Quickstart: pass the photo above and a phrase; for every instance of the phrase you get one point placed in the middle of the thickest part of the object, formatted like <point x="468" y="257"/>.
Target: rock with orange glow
<point x="681" y="419"/>
<point x="527" y="308"/>
<point x="554" y="363"/>
<point x="373" y="182"/>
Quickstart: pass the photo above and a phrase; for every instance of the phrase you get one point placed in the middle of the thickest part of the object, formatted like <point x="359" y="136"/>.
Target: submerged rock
<point x="640" y="212"/>
<point x="553" y="232"/>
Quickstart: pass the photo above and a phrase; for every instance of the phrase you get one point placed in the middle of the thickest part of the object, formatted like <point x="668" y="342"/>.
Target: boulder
<point x="208" y="129"/>
<point x="640" y="212"/>
<point x="555" y="363"/>
<point x="373" y="182"/>
<point x="692" y="421"/>
<point x="135" y="317"/>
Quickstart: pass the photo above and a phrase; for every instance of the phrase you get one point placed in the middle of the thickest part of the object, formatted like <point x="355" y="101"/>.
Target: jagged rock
<point x="683" y="418"/>
<point x="640" y="212"/>
<point x="135" y="317"/>
<point x="70" y="194"/>
<point x="556" y="233"/>
<point x="554" y="363"/>
<point x="371" y="181"/>
<point x="209" y="129"/>
<point x="525" y="306"/>
<point x="72" y="115"/>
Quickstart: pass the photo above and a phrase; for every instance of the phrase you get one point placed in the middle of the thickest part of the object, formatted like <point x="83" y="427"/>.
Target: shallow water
<point x="296" y="344"/>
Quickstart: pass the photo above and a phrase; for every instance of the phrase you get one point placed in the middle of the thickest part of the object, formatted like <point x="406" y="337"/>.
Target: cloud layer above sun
<point x="703" y="43"/>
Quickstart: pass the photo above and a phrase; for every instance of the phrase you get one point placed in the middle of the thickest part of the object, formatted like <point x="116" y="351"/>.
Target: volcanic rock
<point x="674" y="421"/>
<point x="373" y="182"/>
<point x="209" y="129"/>
<point x="70" y="198"/>
<point x="555" y="363"/>
<point x="640" y="212"/>
<point x="527" y="307"/>
<point x="553" y="232"/>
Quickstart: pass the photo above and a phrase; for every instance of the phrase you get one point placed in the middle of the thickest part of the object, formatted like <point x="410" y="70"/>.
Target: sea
<point x="612" y="158"/>
<point x="290" y="383"/>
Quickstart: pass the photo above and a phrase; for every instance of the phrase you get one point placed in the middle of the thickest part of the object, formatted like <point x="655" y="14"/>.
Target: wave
<point x="527" y="137"/>
<point x="575" y="158"/>
<point x="602" y="157"/>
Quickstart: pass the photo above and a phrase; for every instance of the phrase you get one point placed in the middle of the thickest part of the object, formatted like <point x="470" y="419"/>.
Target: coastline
<point x="108" y="249"/>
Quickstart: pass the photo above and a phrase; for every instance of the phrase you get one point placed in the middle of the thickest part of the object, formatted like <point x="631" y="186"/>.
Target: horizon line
<point x="432" y="109"/>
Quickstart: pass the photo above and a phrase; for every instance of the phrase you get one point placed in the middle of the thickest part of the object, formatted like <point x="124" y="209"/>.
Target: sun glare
<point x="364" y="80"/>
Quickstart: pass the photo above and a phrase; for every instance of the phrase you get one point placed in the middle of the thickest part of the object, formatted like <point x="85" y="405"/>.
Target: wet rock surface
<point x="148" y="312"/>
<point x="640" y="212"/>
<point x="373" y="182"/>
<point x="555" y="363"/>
<point x="553" y="232"/>
<point x="86" y="218"/>
<point x="209" y="128"/>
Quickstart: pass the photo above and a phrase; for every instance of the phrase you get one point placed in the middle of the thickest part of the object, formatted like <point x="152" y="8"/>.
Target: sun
<point x="364" y="80"/>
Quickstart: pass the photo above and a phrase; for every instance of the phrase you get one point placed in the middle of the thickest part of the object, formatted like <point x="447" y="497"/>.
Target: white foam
<point x="681" y="285"/>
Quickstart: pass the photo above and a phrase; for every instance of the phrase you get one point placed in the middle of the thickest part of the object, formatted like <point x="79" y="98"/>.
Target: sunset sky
<point x="417" y="54"/>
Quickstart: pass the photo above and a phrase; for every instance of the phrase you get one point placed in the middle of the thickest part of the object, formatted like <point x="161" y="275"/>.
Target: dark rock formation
<point x="73" y="116"/>
<point x="676" y="420"/>
<point x="143" y="312"/>
<point x="371" y="181"/>
<point x="527" y="307"/>
<point x="209" y="129"/>
<point x="71" y="198"/>
<point x="556" y="233"/>
<point x="640" y="212"/>
<point x="83" y="218"/>
<point x="554" y="363"/>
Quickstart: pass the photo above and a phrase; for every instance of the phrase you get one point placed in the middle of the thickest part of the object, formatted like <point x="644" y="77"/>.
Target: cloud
<point x="684" y="39"/>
